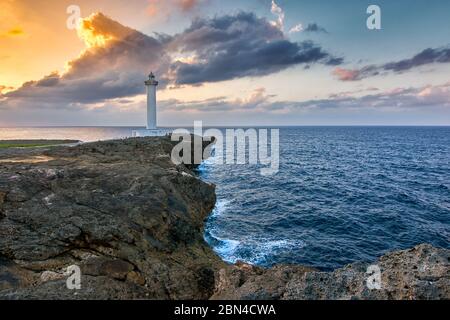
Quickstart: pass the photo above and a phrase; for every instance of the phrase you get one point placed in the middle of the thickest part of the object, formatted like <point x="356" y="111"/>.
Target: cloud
<point x="311" y="27"/>
<point x="396" y="99"/>
<point x="346" y="74"/>
<point x="5" y="88"/>
<point x="166" y="7"/>
<point x="277" y="11"/>
<point x="352" y="92"/>
<point x="14" y="32"/>
<point x="426" y="57"/>
<point x="111" y="67"/>
<point x="117" y="58"/>
<point x="260" y="102"/>
<point x="314" y="27"/>
<point x="296" y="28"/>
<point x="256" y="100"/>
<point x="187" y="5"/>
<point x="241" y="45"/>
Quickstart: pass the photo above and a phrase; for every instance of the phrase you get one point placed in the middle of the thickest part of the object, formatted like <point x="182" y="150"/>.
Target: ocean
<point x="342" y="194"/>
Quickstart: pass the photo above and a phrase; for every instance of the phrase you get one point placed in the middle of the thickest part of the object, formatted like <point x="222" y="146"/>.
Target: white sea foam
<point x="264" y="249"/>
<point x="220" y="207"/>
<point x="253" y="251"/>
<point x="208" y="162"/>
<point x="250" y="250"/>
<point x="227" y="247"/>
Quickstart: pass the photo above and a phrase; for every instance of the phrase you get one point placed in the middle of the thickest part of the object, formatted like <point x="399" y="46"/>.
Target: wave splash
<point x="343" y="194"/>
<point x="252" y="250"/>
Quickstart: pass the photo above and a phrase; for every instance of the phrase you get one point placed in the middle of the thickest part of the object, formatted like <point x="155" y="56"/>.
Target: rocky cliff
<point x="121" y="210"/>
<point x="422" y="272"/>
<point x="133" y="222"/>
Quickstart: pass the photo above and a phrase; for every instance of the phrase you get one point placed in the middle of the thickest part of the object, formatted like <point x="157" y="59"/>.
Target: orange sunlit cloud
<point x="91" y="37"/>
<point x="34" y="36"/>
<point x="14" y="32"/>
<point x="5" y="89"/>
<point x="345" y="74"/>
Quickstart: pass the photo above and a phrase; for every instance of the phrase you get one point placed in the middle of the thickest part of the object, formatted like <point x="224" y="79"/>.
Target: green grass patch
<point x="4" y="144"/>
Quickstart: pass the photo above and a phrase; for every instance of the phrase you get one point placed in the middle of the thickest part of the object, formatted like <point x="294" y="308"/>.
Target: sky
<point x="226" y="63"/>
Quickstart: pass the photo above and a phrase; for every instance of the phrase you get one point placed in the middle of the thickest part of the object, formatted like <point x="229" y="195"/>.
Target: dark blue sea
<point x="342" y="194"/>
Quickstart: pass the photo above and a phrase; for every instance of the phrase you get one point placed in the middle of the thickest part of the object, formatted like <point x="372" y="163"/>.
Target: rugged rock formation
<point x="133" y="222"/>
<point x="422" y="272"/>
<point x="121" y="210"/>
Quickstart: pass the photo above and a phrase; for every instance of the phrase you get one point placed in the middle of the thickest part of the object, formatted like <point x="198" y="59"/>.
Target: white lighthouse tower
<point x="152" y="129"/>
<point x="151" y="84"/>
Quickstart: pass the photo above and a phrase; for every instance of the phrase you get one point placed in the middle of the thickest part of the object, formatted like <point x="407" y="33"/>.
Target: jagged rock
<point x="51" y="276"/>
<point x="247" y="282"/>
<point x="133" y="222"/>
<point x="121" y="210"/>
<point x="422" y="272"/>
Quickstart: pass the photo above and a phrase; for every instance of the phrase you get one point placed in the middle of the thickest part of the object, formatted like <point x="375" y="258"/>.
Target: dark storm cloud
<point x="60" y="91"/>
<point x="114" y="70"/>
<point x="48" y="81"/>
<point x="261" y="59"/>
<point x="426" y="57"/>
<point x="314" y="27"/>
<point x="242" y="45"/>
<point x="224" y="48"/>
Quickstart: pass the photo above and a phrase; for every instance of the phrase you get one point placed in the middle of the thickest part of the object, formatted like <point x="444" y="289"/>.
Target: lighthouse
<point x="151" y="128"/>
<point x="151" y="84"/>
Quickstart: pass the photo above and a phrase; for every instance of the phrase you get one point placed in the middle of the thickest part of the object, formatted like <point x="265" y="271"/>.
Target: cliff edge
<point x="133" y="222"/>
<point x="120" y="210"/>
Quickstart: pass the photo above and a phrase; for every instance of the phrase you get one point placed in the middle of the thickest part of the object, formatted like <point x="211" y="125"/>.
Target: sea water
<point x="342" y="194"/>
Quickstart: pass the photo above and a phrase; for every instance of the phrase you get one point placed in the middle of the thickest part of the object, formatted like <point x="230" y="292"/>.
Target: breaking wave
<point x="343" y="194"/>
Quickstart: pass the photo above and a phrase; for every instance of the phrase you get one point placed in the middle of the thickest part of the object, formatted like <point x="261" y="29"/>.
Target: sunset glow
<point x="90" y="37"/>
<point x="285" y="63"/>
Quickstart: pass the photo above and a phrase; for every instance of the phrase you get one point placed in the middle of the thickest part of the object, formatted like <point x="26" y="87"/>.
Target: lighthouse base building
<point x="152" y="128"/>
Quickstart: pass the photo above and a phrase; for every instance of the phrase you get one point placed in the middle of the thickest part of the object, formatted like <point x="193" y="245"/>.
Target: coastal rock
<point x="246" y="282"/>
<point x="422" y="272"/>
<point x="120" y="210"/>
<point x="51" y="276"/>
<point x="132" y="221"/>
